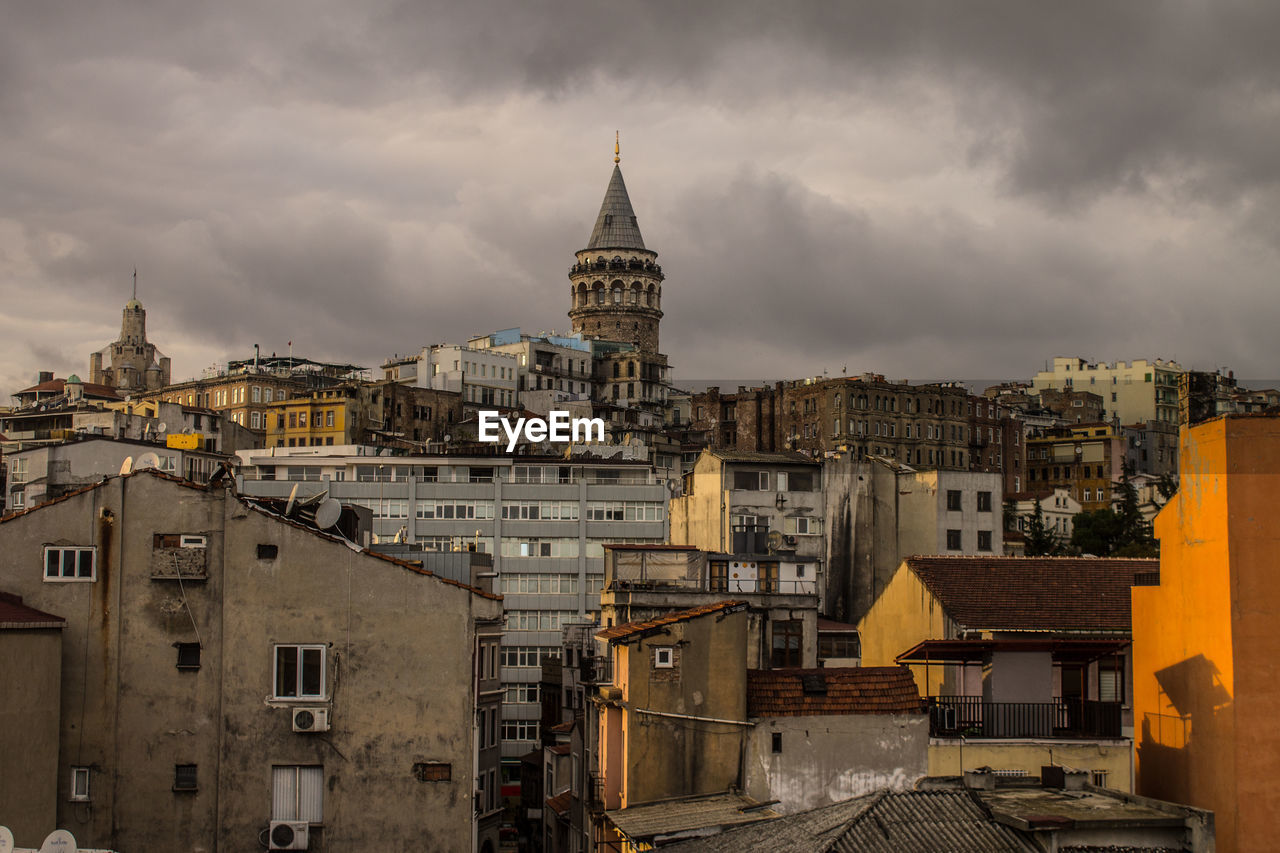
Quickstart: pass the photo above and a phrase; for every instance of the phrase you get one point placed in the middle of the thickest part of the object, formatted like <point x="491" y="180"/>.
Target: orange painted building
<point x="1205" y="642"/>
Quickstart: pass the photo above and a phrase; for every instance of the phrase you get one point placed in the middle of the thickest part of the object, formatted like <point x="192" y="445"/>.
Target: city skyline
<point x="908" y="191"/>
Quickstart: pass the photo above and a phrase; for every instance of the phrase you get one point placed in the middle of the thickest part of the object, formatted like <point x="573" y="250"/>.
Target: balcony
<point x="971" y="717"/>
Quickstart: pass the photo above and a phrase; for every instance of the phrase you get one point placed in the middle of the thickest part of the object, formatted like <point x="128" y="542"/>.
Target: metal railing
<point x="970" y="716"/>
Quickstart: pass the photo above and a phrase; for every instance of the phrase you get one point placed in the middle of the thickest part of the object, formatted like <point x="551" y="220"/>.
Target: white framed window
<point x="266" y="395"/>
<point x="664" y="657"/>
<point x="19" y="500"/>
<point x="70" y="564"/>
<point x="808" y="526"/>
<point x="297" y="792"/>
<point x="188" y="540"/>
<point x="18" y="471"/>
<point x="79" y="785"/>
<point x="257" y="394"/>
<point x="299" y="672"/>
<point x="255" y="420"/>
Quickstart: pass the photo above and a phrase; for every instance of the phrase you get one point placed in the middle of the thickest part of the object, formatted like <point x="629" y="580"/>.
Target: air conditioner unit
<point x="287" y="835"/>
<point x="310" y="720"/>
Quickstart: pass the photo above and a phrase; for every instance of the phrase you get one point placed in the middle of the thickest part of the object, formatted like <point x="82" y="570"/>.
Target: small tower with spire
<point x="136" y="365"/>
<point x="616" y="285"/>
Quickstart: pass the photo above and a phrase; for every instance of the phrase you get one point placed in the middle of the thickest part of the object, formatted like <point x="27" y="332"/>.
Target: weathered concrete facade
<point x="194" y="747"/>
<point x="31" y="672"/>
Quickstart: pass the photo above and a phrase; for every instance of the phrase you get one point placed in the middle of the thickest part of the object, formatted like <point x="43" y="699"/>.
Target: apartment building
<point x="546" y="522"/>
<point x="232" y="678"/>
<point x="1136" y="391"/>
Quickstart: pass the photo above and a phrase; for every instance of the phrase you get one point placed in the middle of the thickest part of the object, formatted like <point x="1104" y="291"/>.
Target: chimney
<point x="44" y="376"/>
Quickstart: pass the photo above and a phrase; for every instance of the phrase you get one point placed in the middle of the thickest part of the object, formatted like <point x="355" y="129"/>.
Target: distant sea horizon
<point x="976" y="386"/>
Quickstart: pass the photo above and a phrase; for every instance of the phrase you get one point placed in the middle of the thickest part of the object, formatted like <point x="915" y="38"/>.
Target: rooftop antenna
<point x="617" y="149"/>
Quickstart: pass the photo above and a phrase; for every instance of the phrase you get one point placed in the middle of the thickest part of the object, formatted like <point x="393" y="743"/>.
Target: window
<point x="788" y="635"/>
<point x="777" y="742"/>
<point x="953" y="540"/>
<point x="268" y="552"/>
<point x="297" y="793"/>
<point x="1098" y="778"/>
<point x="984" y="502"/>
<point x="751" y="481"/>
<point x="839" y="646"/>
<point x="328" y="418"/>
<point x="519" y="694"/>
<point x="519" y="729"/>
<point x="808" y="526"/>
<point x="79" y="784"/>
<point x="299" y="672"/>
<point x="1111" y="679"/>
<point x="953" y="500"/>
<point x="984" y="540"/>
<point x="184" y="777"/>
<point x="188" y="655"/>
<point x="70" y="564"/>
<point x="663" y="658"/>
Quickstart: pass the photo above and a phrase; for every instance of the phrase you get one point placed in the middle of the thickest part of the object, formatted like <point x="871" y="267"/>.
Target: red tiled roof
<point x="560" y="749"/>
<point x="618" y="632"/>
<point x="560" y="802"/>
<point x="57" y="386"/>
<point x="848" y="690"/>
<point x="15" y="614"/>
<point x="1033" y="593"/>
<point x="562" y="728"/>
<point x="830" y="626"/>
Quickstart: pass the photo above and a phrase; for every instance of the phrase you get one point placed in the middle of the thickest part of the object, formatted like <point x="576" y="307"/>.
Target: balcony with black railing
<point x="972" y="717"/>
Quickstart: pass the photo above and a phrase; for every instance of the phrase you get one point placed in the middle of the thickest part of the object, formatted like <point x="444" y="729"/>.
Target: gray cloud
<point x="914" y="189"/>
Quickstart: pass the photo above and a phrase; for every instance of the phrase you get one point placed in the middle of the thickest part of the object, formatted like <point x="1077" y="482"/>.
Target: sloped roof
<point x="57" y="386"/>
<point x="560" y="802"/>
<point x="839" y="690"/>
<point x="785" y="458"/>
<point x="616" y="226"/>
<point x="16" y="615"/>
<point x="883" y="822"/>
<point x="1033" y="593"/>
<point x="630" y="629"/>
<point x="689" y="814"/>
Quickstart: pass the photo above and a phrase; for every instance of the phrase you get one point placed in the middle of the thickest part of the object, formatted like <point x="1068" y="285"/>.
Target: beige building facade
<point x="227" y="671"/>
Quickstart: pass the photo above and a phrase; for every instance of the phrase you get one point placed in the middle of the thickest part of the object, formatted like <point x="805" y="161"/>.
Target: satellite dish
<point x="775" y="540"/>
<point x="162" y="427"/>
<point x="6" y="840"/>
<point x="58" y="841"/>
<point x="293" y="500"/>
<point x="328" y="513"/>
<point x="186" y="430"/>
<point x="314" y="499"/>
<point x="126" y="466"/>
<point x="147" y="460"/>
<point x="448" y="438"/>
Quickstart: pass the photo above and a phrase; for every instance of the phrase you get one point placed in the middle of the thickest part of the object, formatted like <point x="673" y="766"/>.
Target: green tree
<point x="1041" y="542"/>
<point x="1134" y="538"/>
<point x="1096" y="532"/>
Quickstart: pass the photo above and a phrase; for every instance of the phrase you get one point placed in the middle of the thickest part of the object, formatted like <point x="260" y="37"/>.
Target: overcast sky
<point x="914" y="189"/>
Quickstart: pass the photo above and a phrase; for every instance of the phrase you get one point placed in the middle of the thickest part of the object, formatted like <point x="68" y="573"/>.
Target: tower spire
<point x="617" y="150"/>
<point x="135" y="284"/>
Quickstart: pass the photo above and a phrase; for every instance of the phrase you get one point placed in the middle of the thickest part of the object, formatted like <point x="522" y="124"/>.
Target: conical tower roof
<point x="616" y="226"/>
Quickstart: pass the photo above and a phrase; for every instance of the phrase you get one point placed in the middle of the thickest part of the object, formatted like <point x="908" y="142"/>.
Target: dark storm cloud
<point x="915" y="189"/>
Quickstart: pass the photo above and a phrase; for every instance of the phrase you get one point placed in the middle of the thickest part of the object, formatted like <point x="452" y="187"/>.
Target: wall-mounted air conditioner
<point x="287" y="835"/>
<point x="311" y="719"/>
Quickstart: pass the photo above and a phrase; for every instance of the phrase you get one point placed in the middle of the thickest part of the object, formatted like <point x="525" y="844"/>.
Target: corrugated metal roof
<point x="616" y="226"/>
<point x="883" y="822"/>
<point x="686" y="814"/>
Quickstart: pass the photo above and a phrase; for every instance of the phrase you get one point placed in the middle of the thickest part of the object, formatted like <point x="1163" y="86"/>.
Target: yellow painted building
<point x="1023" y="660"/>
<point x="323" y="419"/>
<point x="1205" y="640"/>
<point x="1085" y="459"/>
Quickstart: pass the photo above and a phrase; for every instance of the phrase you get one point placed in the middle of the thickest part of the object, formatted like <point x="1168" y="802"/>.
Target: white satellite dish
<point x="293" y="500"/>
<point x="6" y="840"/>
<point x="58" y="841"/>
<point x="162" y="427"/>
<point x="328" y="513"/>
<point x="126" y="466"/>
<point x="147" y="460"/>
